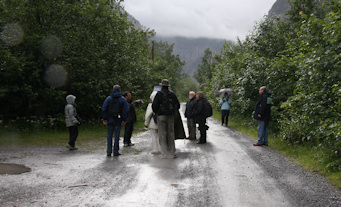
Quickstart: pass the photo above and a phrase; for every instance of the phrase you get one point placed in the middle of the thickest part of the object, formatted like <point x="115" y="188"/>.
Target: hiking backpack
<point x="208" y="111"/>
<point x="167" y="105"/>
<point x="114" y="108"/>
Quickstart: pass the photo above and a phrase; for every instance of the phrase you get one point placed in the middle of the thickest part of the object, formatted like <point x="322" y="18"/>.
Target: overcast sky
<point x="226" y="19"/>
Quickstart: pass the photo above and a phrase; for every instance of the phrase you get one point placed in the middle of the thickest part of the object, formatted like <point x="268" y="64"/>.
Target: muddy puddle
<point x="13" y="169"/>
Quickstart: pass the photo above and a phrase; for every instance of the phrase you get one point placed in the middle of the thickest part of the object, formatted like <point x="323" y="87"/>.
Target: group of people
<point x="161" y="117"/>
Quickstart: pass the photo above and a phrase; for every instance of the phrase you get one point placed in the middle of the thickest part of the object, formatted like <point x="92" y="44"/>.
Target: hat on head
<point x="116" y="88"/>
<point x="165" y="82"/>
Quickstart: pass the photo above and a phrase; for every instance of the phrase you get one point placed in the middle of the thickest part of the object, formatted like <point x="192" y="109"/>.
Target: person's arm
<point x="125" y="111"/>
<point x="105" y="108"/>
<point x="156" y="103"/>
<point x="262" y="106"/>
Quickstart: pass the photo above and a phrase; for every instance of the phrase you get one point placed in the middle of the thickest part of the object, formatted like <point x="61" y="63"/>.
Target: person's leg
<point x="110" y="132"/>
<point x="73" y="132"/>
<point x="153" y="134"/>
<point x="191" y="128"/>
<point x="266" y="132"/>
<point x="171" y="134"/>
<point x="202" y="129"/>
<point x="162" y="132"/>
<point x="128" y="131"/>
<point x="117" y="129"/>
<point x="223" y="114"/>
<point x="227" y="117"/>
<point x="260" y="130"/>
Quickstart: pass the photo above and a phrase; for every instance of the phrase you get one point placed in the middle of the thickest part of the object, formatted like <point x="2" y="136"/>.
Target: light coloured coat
<point x="149" y="121"/>
<point x="225" y="103"/>
<point x="70" y="111"/>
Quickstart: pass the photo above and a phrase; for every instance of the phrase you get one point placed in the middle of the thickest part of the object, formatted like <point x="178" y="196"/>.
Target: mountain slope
<point x="191" y="50"/>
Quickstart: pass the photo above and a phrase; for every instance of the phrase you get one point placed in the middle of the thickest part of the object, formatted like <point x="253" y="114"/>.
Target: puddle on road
<point x="13" y="169"/>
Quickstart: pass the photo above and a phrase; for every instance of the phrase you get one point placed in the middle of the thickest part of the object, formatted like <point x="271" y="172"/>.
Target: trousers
<point x="165" y="125"/>
<point x="73" y="134"/>
<point x="191" y="127"/>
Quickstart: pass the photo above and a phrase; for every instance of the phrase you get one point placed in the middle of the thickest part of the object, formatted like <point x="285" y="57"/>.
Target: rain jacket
<point x="70" y="111"/>
<point x="158" y="101"/>
<point x="198" y="111"/>
<point x="263" y="108"/>
<point x="189" y="107"/>
<point x="123" y="105"/>
<point x="132" y="113"/>
<point x="225" y="103"/>
<point x="148" y="120"/>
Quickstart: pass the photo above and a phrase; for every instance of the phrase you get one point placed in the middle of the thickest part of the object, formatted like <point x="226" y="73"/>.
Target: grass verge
<point x="309" y="157"/>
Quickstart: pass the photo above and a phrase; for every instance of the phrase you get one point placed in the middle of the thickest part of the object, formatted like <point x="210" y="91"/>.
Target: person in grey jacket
<point x="71" y="121"/>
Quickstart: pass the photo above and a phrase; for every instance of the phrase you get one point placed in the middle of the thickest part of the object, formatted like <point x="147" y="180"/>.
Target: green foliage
<point x="299" y="60"/>
<point x="50" y="49"/>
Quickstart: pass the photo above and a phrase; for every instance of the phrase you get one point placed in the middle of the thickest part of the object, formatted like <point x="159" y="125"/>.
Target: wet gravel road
<point x="227" y="171"/>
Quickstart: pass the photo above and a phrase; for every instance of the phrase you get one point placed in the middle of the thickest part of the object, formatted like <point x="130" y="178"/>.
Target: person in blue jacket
<point x="225" y="103"/>
<point x="115" y="112"/>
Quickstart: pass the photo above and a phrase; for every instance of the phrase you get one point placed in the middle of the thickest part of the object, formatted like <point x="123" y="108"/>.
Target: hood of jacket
<point x="70" y="99"/>
<point x="115" y="94"/>
<point x="152" y="96"/>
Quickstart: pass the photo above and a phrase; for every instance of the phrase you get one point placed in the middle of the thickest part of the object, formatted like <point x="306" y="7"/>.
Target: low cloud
<point x="226" y="19"/>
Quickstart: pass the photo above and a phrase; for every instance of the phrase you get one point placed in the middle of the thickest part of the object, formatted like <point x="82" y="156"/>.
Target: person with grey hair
<point x="115" y="112"/>
<point x="164" y="105"/>
<point x="263" y="115"/>
<point x="189" y="115"/>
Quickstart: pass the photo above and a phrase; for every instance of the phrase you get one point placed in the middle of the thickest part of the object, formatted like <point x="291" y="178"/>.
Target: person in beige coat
<point x="149" y="122"/>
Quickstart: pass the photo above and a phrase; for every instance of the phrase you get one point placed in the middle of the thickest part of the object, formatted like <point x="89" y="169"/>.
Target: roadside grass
<point x="87" y="132"/>
<point x="51" y="137"/>
<point x="309" y="157"/>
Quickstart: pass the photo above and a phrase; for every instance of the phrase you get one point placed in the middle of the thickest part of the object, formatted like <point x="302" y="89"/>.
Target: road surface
<point x="227" y="171"/>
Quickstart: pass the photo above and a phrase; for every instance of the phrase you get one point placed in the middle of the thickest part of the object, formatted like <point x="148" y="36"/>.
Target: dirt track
<point x="227" y="171"/>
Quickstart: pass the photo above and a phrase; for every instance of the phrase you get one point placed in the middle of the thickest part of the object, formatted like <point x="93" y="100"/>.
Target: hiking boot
<point x="192" y="138"/>
<point x="69" y="147"/>
<point x="108" y="154"/>
<point x="163" y="156"/>
<point x="74" y="148"/>
<point x="117" y="154"/>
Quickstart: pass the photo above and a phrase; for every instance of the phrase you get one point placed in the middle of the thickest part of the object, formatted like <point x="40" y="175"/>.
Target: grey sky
<point x="227" y="19"/>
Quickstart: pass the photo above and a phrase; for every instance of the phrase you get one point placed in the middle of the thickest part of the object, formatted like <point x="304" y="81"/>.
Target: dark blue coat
<point x="123" y="105"/>
<point x="190" y="107"/>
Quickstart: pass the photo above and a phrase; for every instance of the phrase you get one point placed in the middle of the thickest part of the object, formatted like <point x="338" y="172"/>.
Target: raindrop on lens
<point x="51" y="47"/>
<point x="55" y="76"/>
<point x="12" y="34"/>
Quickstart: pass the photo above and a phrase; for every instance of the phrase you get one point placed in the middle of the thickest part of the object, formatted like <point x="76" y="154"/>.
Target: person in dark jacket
<point x="263" y="115"/>
<point x="129" y="127"/>
<point x="200" y="117"/>
<point x="164" y="105"/>
<point x="114" y="122"/>
<point x="189" y="115"/>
